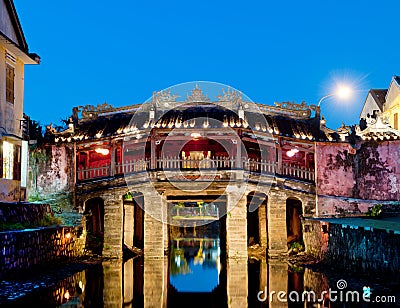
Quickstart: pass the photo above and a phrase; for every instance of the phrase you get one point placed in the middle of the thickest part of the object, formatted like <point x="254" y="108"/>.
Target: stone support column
<point x="113" y="226"/>
<point x="154" y="228"/>
<point x="236" y="226"/>
<point x="277" y="233"/>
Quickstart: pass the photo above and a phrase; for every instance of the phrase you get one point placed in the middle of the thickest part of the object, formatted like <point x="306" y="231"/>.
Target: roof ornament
<point x="91" y="111"/>
<point x="378" y="127"/>
<point x="164" y="96"/>
<point x="344" y="131"/>
<point x="293" y="106"/>
<point x="197" y="96"/>
<point x="230" y="96"/>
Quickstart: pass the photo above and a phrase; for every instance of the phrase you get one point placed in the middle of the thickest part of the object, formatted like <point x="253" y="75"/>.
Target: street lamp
<point x="342" y="92"/>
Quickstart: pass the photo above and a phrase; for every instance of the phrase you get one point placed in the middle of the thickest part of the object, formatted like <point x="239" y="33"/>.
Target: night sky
<point x="122" y="51"/>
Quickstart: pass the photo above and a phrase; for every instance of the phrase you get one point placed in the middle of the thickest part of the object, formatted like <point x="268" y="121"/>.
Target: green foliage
<point x="49" y="220"/>
<point x="35" y="198"/>
<point x="128" y="196"/>
<point x="296" y="269"/>
<point x="375" y="211"/>
<point x="35" y="131"/>
<point x="8" y="226"/>
<point x="297" y="245"/>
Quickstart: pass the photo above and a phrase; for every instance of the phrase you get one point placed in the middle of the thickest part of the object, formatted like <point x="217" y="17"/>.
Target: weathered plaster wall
<point x="378" y="171"/>
<point x="52" y="171"/>
<point x="353" y="183"/>
<point x="11" y="191"/>
<point x="335" y="169"/>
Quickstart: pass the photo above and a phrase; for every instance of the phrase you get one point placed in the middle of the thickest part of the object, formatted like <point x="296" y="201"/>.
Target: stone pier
<point x="154" y="228"/>
<point x="276" y="211"/>
<point x="236" y="226"/>
<point x="113" y="226"/>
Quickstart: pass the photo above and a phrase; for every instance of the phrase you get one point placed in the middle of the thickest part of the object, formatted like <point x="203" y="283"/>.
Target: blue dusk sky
<point x="122" y="51"/>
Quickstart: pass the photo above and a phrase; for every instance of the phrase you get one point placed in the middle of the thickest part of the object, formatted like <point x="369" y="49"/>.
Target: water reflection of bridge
<point x="145" y="283"/>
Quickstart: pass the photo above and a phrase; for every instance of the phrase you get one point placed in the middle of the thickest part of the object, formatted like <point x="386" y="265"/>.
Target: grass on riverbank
<point x="47" y="221"/>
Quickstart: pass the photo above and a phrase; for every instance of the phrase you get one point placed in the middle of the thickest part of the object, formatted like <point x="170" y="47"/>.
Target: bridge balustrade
<point x="252" y="166"/>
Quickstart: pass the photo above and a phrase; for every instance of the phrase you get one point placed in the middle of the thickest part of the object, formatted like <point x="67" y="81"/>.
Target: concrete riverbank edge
<point x="354" y="245"/>
<point x="24" y="249"/>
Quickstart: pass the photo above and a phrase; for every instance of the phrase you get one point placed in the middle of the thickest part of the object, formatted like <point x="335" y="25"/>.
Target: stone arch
<point x="294" y="211"/>
<point x="133" y="220"/>
<point x="94" y="224"/>
<point x="257" y="222"/>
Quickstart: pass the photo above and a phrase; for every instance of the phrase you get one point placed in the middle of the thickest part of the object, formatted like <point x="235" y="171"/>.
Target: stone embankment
<point x="24" y="249"/>
<point x="355" y="245"/>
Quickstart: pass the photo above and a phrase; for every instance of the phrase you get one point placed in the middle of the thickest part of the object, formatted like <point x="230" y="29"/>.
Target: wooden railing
<point x="216" y="163"/>
<point x="297" y="172"/>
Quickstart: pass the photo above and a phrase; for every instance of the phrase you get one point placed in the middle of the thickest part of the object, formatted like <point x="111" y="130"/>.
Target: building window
<point x="8" y="160"/>
<point x="10" y="75"/>
<point x="396" y="121"/>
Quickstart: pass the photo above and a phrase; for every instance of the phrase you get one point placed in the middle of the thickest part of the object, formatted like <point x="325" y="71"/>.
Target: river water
<point x="197" y="274"/>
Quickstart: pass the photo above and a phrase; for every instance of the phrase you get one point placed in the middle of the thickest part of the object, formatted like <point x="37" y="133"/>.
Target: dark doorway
<point x="138" y="234"/>
<point x="133" y="220"/>
<point x="257" y="219"/>
<point x="94" y="214"/>
<point x="293" y="220"/>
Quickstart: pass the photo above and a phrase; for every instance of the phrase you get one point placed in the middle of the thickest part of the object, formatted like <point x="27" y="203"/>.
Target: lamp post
<point x="342" y="92"/>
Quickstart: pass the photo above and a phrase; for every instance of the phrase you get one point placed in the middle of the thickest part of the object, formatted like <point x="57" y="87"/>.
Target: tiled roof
<point x="379" y="96"/>
<point x="122" y="123"/>
<point x="397" y="79"/>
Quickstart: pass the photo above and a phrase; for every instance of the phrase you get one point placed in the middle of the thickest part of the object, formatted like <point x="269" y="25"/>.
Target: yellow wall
<point x="392" y="105"/>
<point x="390" y="115"/>
<point x="10" y="116"/>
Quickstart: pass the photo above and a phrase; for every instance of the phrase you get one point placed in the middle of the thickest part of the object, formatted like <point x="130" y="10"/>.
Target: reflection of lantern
<point x="292" y="152"/>
<point x="102" y="151"/>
